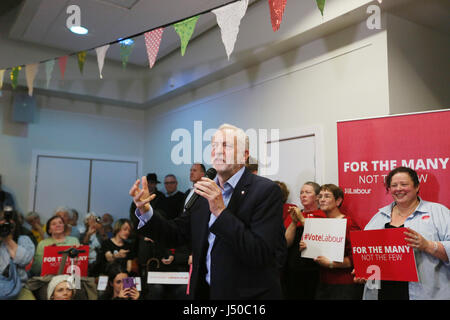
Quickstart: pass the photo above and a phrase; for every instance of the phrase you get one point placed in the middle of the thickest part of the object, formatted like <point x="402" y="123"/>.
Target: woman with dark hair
<point x="428" y="226"/>
<point x="55" y="228"/>
<point x="118" y="249"/>
<point x="115" y="289"/>
<point x="16" y="252"/>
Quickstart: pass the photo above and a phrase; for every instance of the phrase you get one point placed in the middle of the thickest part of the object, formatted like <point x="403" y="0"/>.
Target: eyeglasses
<point x="170" y="182"/>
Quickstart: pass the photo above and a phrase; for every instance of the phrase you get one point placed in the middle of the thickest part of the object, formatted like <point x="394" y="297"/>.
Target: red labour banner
<point x="52" y="260"/>
<point x="369" y="148"/>
<point x="383" y="255"/>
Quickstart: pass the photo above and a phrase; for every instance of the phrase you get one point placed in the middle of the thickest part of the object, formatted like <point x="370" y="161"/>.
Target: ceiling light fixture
<point x="79" y="30"/>
<point x="126" y="42"/>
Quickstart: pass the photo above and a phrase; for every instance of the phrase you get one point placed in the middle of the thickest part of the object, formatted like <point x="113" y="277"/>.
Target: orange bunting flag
<point x="276" y="12"/>
<point x="30" y="74"/>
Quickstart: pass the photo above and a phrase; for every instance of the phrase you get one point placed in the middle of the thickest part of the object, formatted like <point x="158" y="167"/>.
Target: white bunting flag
<point x="229" y="18"/>
<point x="101" y="53"/>
<point x="30" y="73"/>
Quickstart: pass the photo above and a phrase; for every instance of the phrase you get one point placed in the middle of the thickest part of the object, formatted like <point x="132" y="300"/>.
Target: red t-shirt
<point x="338" y="275"/>
<point x="310" y="214"/>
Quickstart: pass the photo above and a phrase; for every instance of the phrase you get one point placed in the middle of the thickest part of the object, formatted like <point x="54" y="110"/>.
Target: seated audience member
<point x="174" y="202"/>
<point x="115" y="289"/>
<point x="59" y="288"/>
<point x="16" y="253"/>
<point x="118" y="249"/>
<point x="301" y="274"/>
<point x="94" y="236"/>
<point x="107" y="223"/>
<point x="55" y="228"/>
<point x="428" y="225"/>
<point x="64" y="213"/>
<point x="336" y="280"/>
<point x="37" y="229"/>
<point x="286" y="206"/>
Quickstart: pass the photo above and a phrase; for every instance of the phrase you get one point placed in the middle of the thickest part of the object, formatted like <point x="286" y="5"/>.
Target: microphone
<point x="211" y="174"/>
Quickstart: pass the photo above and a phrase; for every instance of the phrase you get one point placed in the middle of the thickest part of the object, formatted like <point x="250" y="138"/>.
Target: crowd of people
<point x="117" y="251"/>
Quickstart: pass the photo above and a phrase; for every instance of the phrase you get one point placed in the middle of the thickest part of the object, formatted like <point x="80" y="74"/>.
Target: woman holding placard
<point x="336" y="281"/>
<point x="301" y="275"/>
<point x="428" y="225"/>
<point x="56" y="229"/>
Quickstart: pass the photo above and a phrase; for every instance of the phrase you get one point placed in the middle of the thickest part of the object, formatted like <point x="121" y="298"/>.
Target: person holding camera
<point x="16" y="253"/>
<point x="93" y="237"/>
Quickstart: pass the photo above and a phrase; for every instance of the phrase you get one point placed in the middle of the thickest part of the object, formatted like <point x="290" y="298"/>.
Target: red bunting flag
<point x="62" y="61"/>
<point x="276" y="12"/>
<point x="152" y="41"/>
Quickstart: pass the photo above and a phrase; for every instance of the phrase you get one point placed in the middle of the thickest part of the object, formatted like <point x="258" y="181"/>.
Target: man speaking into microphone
<point x="234" y="227"/>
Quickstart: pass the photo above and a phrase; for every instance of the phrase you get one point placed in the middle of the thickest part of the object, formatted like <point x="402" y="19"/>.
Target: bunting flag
<point x="229" y="18"/>
<point x="321" y="5"/>
<point x="101" y="53"/>
<point x="14" y="76"/>
<point x="30" y="74"/>
<point x="49" y="65"/>
<point x="276" y="13"/>
<point x="81" y="60"/>
<point x="125" y="51"/>
<point x="152" y="41"/>
<point x="185" y="29"/>
<point x="2" y="73"/>
<point x="62" y="61"/>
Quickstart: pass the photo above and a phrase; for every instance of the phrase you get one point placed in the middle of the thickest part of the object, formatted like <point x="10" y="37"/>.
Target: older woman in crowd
<point x="57" y="236"/>
<point x="428" y="226"/>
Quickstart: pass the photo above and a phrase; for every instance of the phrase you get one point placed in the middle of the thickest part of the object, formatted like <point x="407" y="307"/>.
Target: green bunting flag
<point x="81" y="60"/>
<point x="185" y="29"/>
<point x="125" y="51"/>
<point x="14" y="76"/>
<point x="321" y="5"/>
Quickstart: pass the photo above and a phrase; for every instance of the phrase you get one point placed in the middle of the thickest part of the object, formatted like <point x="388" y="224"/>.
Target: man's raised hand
<point x="141" y="197"/>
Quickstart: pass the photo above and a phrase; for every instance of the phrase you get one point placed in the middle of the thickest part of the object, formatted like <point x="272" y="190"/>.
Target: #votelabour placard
<point x="324" y="237"/>
<point x="383" y="255"/>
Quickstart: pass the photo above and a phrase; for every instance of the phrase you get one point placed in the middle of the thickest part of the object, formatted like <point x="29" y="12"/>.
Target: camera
<point x="7" y="227"/>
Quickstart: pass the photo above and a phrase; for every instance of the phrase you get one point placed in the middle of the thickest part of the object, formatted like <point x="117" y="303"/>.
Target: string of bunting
<point x="228" y="17"/>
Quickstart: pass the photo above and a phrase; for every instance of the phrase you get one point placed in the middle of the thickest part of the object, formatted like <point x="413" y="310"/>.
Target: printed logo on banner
<point x="324" y="237"/>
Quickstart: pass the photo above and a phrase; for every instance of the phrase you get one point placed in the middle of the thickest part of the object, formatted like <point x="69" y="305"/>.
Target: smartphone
<point x="128" y="283"/>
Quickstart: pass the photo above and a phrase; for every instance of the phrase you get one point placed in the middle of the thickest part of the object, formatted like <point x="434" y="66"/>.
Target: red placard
<point x="52" y="260"/>
<point x="383" y="255"/>
<point x="369" y="148"/>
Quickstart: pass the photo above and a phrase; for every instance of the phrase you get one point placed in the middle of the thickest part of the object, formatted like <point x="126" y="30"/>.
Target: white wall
<point x="341" y="76"/>
<point x="63" y="126"/>
<point x="419" y="67"/>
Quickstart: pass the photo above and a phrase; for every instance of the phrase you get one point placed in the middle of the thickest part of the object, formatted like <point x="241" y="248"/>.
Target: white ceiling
<point x="43" y="22"/>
